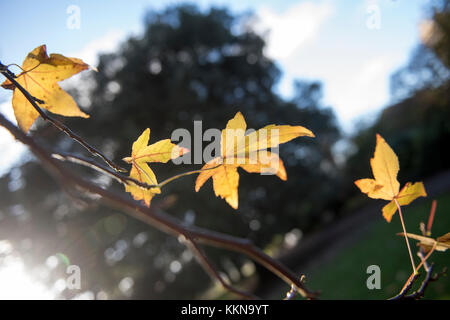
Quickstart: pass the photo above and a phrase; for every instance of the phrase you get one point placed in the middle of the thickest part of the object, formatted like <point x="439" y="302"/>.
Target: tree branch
<point x="120" y="177"/>
<point x="419" y="293"/>
<point x="407" y="287"/>
<point x="211" y="270"/>
<point x="415" y="275"/>
<point x="99" y="168"/>
<point x="158" y="219"/>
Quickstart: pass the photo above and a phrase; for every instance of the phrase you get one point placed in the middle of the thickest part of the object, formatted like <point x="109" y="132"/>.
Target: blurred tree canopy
<point x="188" y="65"/>
<point x="439" y="41"/>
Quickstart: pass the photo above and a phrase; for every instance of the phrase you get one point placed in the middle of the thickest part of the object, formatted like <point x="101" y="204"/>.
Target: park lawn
<point x="345" y="276"/>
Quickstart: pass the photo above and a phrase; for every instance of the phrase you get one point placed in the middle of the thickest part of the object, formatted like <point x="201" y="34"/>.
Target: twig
<point x="11" y="77"/>
<point x="421" y="253"/>
<point x="158" y="219"/>
<point x="292" y="292"/>
<point x="420" y="293"/>
<point x="408" y="285"/>
<point x="415" y="275"/>
<point x="211" y="270"/>
<point x="423" y="259"/>
<point x="120" y="177"/>
<point x="99" y="168"/>
<point x="426" y="233"/>
<point x="431" y="217"/>
<point x="4" y="70"/>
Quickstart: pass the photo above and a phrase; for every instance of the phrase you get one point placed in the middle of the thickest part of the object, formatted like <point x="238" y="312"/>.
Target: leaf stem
<point x="406" y="237"/>
<point x="184" y="174"/>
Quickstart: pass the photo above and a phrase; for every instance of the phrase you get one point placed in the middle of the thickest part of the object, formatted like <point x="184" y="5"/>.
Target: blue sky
<point x="352" y="46"/>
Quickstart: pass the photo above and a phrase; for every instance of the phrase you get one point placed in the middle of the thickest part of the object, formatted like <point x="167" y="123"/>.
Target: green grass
<point x="345" y="276"/>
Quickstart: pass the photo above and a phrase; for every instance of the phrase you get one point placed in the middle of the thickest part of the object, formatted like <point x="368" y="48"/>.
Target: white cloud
<point x="289" y="30"/>
<point x="364" y="91"/>
<point x="354" y="86"/>
<point x="353" y="63"/>
<point x="107" y="43"/>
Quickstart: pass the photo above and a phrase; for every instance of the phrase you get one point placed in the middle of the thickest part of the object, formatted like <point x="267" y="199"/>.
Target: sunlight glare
<point x="15" y="283"/>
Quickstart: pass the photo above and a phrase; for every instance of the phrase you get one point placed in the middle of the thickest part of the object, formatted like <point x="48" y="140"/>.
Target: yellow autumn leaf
<point x="267" y="163"/>
<point x="408" y="194"/>
<point x="272" y="135"/>
<point x="385" y="167"/>
<point x="141" y="154"/>
<point x="225" y="180"/>
<point x="40" y="78"/>
<point x="248" y="152"/>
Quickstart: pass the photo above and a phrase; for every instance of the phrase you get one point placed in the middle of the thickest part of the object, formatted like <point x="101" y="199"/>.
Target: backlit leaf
<point x="248" y="152"/>
<point x="141" y="154"/>
<point x="40" y="78"/>
<point x="385" y="167"/>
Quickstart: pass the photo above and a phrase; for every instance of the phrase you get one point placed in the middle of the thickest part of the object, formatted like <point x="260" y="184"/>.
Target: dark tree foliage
<point x="429" y="64"/>
<point x="188" y="65"/>
<point x="424" y="71"/>
<point x="440" y="41"/>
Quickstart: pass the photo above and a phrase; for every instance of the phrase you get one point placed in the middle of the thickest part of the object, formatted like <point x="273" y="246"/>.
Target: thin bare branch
<point x="415" y="275"/>
<point x="211" y="270"/>
<point x="431" y="217"/>
<point x="120" y="177"/>
<point x="290" y="295"/>
<point x="429" y="278"/>
<point x="99" y="168"/>
<point x="407" y="287"/>
<point x="420" y="293"/>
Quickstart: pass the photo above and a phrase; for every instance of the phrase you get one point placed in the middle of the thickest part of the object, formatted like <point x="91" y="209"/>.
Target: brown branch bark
<point x="158" y="219"/>
<point x="430" y="277"/>
<point x="420" y="293"/>
<point x="104" y="170"/>
<point x="211" y="270"/>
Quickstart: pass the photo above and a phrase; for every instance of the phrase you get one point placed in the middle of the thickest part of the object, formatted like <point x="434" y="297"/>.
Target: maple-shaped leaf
<point x="248" y="152"/>
<point x="141" y="154"/>
<point x="40" y="78"/>
<point x="442" y="243"/>
<point x="385" y="186"/>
